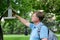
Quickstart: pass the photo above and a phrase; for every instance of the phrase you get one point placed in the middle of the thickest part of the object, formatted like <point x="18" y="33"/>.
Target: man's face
<point x="35" y="18"/>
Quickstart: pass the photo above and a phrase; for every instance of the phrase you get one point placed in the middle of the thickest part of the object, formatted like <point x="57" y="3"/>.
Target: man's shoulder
<point x="31" y="25"/>
<point x="44" y="27"/>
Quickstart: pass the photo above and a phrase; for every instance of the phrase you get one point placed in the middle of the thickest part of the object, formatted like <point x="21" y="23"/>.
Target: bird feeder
<point x="8" y="13"/>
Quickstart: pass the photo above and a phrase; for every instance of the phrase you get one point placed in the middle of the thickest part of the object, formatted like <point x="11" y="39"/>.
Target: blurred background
<point x="13" y="29"/>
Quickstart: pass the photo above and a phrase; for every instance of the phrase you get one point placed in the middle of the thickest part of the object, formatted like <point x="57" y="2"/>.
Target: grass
<point x="59" y="38"/>
<point x="18" y="37"/>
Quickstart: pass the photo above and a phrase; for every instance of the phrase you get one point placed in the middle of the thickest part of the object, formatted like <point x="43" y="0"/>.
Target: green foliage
<point x="3" y="6"/>
<point x="58" y="17"/>
<point x="26" y="6"/>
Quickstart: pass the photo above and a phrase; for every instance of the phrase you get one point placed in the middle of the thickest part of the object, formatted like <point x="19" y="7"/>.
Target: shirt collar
<point x="40" y="24"/>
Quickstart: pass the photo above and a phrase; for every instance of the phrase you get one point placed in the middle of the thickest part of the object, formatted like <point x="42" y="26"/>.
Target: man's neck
<point x="37" y="23"/>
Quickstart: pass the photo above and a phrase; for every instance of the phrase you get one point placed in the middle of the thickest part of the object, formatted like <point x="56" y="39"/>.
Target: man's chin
<point x="32" y="21"/>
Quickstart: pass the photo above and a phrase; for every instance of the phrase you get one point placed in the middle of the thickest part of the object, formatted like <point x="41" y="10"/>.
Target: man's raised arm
<point x="24" y="21"/>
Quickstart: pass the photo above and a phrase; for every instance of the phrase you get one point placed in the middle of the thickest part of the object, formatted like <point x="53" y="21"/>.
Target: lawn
<point x="18" y="37"/>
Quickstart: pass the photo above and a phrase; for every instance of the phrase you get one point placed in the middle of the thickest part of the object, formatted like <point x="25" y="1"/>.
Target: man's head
<point x="37" y="16"/>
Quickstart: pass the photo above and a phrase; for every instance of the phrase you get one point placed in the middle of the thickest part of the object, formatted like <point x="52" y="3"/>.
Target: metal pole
<point x="1" y="32"/>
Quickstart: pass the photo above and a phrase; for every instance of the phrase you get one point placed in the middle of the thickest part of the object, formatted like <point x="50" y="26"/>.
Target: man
<point x="37" y="18"/>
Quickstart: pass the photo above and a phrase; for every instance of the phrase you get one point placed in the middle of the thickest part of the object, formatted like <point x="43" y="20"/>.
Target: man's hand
<point x="24" y="21"/>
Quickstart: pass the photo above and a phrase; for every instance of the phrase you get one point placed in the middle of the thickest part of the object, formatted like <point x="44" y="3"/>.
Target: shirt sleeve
<point x="31" y="25"/>
<point x="44" y="32"/>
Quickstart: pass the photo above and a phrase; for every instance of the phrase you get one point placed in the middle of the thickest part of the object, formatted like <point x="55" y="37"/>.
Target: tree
<point x="26" y="6"/>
